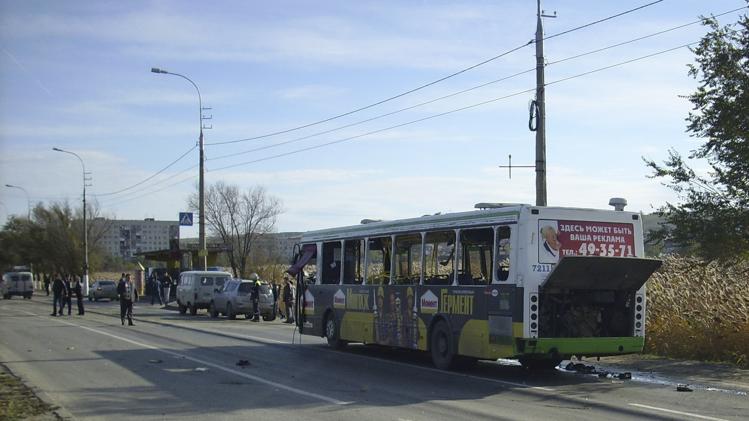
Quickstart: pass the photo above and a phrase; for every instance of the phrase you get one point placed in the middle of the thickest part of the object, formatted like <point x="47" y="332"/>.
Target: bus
<point x="536" y="284"/>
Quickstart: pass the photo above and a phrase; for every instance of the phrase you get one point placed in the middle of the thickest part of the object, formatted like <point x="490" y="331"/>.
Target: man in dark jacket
<point x="68" y="295"/>
<point x="57" y="289"/>
<point x="78" y="289"/>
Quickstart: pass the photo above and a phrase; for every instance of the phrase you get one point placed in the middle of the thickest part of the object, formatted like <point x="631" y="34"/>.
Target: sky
<point x="76" y="75"/>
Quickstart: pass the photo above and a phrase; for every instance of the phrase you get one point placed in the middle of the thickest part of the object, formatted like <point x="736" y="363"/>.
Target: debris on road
<point x="200" y="369"/>
<point x="683" y="388"/>
<point x="155" y="361"/>
<point x="589" y="369"/>
<point x="243" y="363"/>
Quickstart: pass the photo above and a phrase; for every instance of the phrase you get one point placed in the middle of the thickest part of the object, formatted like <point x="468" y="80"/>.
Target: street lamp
<point x="28" y="200"/>
<point x="85" y="226"/>
<point x="201" y="183"/>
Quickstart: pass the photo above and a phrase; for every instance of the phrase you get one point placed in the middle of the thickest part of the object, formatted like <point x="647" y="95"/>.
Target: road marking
<point x="383" y="360"/>
<point x="671" y="411"/>
<point x="204" y="362"/>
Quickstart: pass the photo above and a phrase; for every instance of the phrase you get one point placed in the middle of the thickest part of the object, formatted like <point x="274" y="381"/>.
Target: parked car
<point x="197" y="288"/>
<point x="18" y="283"/>
<point x="235" y="298"/>
<point x="103" y="289"/>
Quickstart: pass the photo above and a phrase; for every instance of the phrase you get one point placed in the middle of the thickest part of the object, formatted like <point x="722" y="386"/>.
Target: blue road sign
<point x="185" y="219"/>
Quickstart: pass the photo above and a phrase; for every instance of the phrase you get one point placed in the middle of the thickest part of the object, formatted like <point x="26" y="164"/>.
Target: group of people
<point x="63" y="289"/>
<point x="160" y="288"/>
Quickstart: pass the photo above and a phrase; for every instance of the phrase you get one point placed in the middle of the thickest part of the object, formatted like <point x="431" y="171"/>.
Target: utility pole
<point x="540" y="105"/>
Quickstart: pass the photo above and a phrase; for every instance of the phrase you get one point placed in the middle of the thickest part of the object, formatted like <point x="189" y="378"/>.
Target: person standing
<point x="255" y="296"/>
<point x="68" y="295"/>
<point x="46" y="284"/>
<point x="274" y="289"/>
<point x="57" y="289"/>
<point x="155" y="287"/>
<point x="166" y="288"/>
<point x="78" y="289"/>
<point x="126" y="290"/>
<point x="288" y="299"/>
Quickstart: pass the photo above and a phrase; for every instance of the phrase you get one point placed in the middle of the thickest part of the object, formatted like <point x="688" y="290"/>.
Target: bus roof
<point x="490" y="216"/>
<point x="506" y="215"/>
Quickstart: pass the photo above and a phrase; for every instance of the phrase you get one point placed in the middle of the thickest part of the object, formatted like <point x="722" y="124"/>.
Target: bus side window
<point x="475" y="264"/>
<point x="407" y="259"/>
<point x="503" y="253"/>
<point x="353" y="261"/>
<point x="331" y="262"/>
<point x="439" y="255"/>
<point x="378" y="260"/>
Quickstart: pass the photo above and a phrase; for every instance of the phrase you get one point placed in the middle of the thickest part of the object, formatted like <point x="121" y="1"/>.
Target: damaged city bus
<point x="538" y="284"/>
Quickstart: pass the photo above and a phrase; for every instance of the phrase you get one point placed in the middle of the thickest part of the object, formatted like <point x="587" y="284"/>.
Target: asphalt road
<point x="171" y="366"/>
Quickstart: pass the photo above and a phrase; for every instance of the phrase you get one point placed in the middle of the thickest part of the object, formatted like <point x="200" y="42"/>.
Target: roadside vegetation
<point x="18" y="401"/>
<point x="699" y="311"/>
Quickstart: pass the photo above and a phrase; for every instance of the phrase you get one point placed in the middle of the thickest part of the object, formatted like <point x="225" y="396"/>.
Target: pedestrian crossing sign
<point x="185" y="219"/>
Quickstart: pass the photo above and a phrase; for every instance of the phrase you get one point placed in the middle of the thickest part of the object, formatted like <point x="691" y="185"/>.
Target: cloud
<point x="310" y="92"/>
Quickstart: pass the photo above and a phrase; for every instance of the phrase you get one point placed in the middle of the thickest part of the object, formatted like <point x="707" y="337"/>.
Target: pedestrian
<point x="154" y="286"/>
<point x="78" y="289"/>
<point x="126" y="290"/>
<point x="46" y="284"/>
<point x="58" y="287"/>
<point x="68" y="296"/>
<point x="288" y="299"/>
<point x="274" y="289"/>
<point x="255" y="296"/>
<point x="166" y="287"/>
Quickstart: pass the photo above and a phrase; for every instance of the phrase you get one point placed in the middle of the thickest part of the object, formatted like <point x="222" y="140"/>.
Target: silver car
<point x="102" y="289"/>
<point x="235" y="298"/>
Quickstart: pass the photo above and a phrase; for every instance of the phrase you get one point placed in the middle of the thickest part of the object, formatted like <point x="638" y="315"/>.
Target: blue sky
<point x="76" y="75"/>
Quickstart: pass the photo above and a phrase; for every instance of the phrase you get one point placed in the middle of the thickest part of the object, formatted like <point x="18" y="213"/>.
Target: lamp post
<point x="85" y="223"/>
<point x="28" y="200"/>
<point x="201" y="183"/>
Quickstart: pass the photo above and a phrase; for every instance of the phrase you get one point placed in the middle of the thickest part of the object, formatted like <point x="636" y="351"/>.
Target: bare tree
<point x="238" y="218"/>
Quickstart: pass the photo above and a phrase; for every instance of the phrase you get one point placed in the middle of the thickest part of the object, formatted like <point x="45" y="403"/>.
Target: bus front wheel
<point x="332" y="333"/>
<point x="441" y="346"/>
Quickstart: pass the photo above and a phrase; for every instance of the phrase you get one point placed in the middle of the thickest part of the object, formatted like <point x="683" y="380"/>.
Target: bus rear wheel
<point x="332" y="333"/>
<point x="441" y="346"/>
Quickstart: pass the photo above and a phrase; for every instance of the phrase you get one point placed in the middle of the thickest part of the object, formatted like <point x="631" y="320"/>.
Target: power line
<point x="304" y="126"/>
<point x="147" y="178"/>
<point x="601" y="20"/>
<point x="163" y="180"/>
<point x="642" y="37"/>
<point x="299" y="139"/>
<point x="119" y="202"/>
<point x="447" y="112"/>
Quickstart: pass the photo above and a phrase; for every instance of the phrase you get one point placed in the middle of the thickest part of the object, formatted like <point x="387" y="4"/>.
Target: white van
<point x="196" y="288"/>
<point x="18" y="283"/>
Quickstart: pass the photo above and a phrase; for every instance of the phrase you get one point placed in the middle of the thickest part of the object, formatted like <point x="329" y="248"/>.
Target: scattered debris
<point x="589" y="369"/>
<point x="155" y="361"/>
<point x="683" y="388"/>
<point x="243" y="363"/>
<point x="200" y="369"/>
<point x="71" y="348"/>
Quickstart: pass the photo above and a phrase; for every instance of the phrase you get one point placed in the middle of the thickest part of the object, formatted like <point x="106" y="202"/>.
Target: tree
<point x="52" y="240"/>
<point x="712" y="218"/>
<point x="238" y="219"/>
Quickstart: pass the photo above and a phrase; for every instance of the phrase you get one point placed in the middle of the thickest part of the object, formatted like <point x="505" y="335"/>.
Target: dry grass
<point x="699" y="312"/>
<point x="18" y="402"/>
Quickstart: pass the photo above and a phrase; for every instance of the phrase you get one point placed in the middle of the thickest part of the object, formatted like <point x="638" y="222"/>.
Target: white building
<point x="124" y="238"/>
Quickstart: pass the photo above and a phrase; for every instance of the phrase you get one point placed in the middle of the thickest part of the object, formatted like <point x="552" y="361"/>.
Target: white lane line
<point x="205" y="363"/>
<point x="671" y="411"/>
<point x="382" y="360"/>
